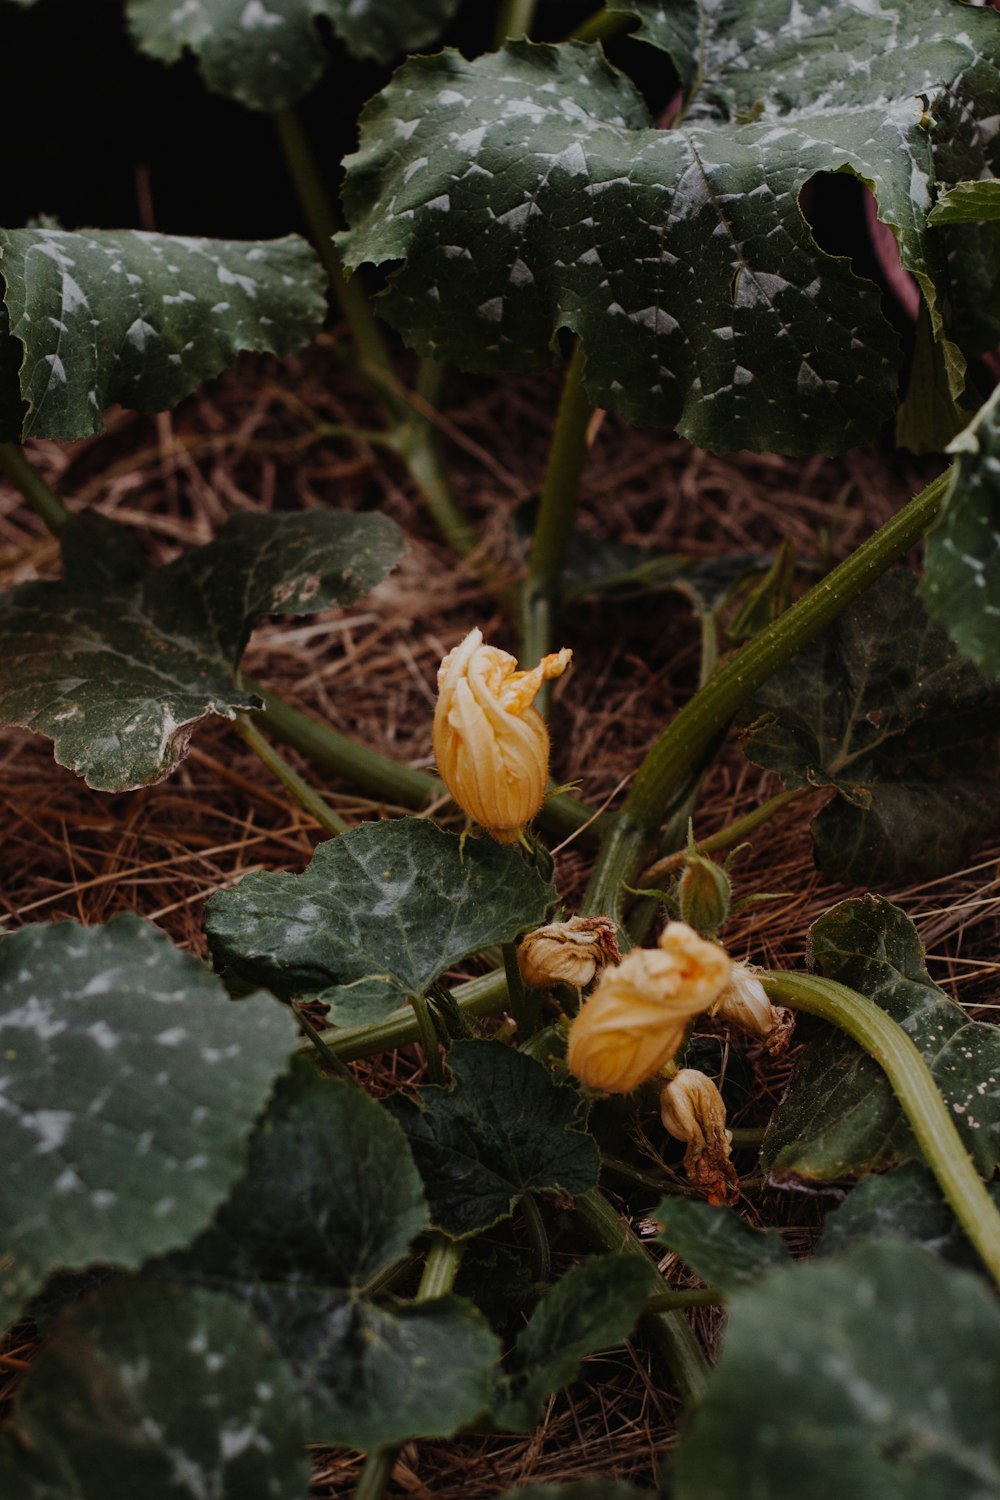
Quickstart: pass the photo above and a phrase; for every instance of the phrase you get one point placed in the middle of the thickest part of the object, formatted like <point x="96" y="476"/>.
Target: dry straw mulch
<point x="249" y="442"/>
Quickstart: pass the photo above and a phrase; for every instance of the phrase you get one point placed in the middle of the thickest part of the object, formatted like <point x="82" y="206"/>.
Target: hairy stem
<point x="602" y="26"/>
<point x="913" y="1084"/>
<point x="671" y="1331"/>
<point x="524" y="1001"/>
<point x="40" y="496"/>
<point x="514" y="19"/>
<point x="668" y="765"/>
<point x="331" y="822"/>
<point x="724" y="838"/>
<point x="428" y="1037"/>
<point x="477" y="997"/>
<point x="540" y="589"/>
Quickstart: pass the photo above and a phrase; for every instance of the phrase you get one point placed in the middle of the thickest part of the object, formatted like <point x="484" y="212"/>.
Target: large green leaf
<point x="875" y="1375"/>
<point x="331" y="1199"/>
<point x="882" y="709"/>
<point x="840" y="1115"/>
<point x="141" y="319"/>
<point x="594" y="1306"/>
<point x="717" y="1244"/>
<point x="378" y="915"/>
<point x="117" y="664"/>
<point x="128" y="1086"/>
<point x="961" y="585"/>
<point x="503" y="1129"/>
<point x="906" y="1203"/>
<point x="528" y="192"/>
<point x="146" y="1391"/>
<point x="268" y="53"/>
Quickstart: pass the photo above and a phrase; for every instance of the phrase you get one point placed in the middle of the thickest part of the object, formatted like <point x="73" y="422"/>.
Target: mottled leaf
<point x="502" y="1129"/>
<point x="717" y="1244"/>
<point x="378" y="915"/>
<point x="882" y="709"/>
<point x="840" y="1115"/>
<point x="331" y="1198"/>
<point x="142" y="319"/>
<point x="967" y="203"/>
<point x="268" y="53"/>
<point x="146" y="1391"/>
<point x="961" y="585"/>
<point x="905" y="1203"/>
<point x="128" y="1086"/>
<point x="594" y="1306"/>
<point x="529" y="192"/>
<point x="875" y="1375"/>
<point x="117" y="664"/>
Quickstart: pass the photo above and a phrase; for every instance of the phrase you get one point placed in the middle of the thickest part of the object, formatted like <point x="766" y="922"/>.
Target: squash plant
<point x="235" y="1251"/>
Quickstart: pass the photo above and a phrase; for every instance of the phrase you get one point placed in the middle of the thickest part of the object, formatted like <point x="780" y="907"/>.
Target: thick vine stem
<point x="310" y="801"/>
<point x="667" y="766"/>
<point x="914" y="1087"/>
<point x="40" y="496"/>
<point x="477" y="997"/>
<point x="671" y="1330"/>
<point x="540" y="588"/>
<point x="440" y="1269"/>
<point x="723" y="838"/>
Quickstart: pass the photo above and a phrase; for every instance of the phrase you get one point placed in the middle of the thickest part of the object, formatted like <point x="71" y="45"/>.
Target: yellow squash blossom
<point x="490" y="744"/>
<point x="636" y="1018"/>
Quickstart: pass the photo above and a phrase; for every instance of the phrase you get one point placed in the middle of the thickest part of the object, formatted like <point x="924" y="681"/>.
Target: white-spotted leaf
<point x="129" y="1084"/>
<point x="379" y="915"/>
<point x="126" y="316"/>
<point x="117" y="663"/>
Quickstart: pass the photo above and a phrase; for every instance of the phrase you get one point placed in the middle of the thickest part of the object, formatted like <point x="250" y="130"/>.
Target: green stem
<point x="525" y="1006"/>
<point x="417" y="444"/>
<point x="670" y="1330"/>
<point x="428" y="1037"/>
<point x="310" y="801"/>
<point x="514" y="19"/>
<point x="541" y="1251"/>
<point x="477" y="997"/>
<point x="540" y="589"/>
<point x="440" y="1269"/>
<point x="699" y="1296"/>
<point x="668" y="765"/>
<point x="40" y="496"/>
<point x="724" y="838"/>
<point x="602" y="26"/>
<point x="913" y="1084"/>
<point x="317" y="210"/>
<point x="326" y="1053"/>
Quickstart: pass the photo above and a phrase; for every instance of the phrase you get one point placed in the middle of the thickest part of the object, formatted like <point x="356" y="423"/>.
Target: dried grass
<point x="248" y="443"/>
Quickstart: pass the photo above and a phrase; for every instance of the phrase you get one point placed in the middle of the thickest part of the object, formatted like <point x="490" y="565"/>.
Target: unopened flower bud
<point x="636" y="1017"/>
<point x="704" y="891"/>
<point x="569" y="952"/>
<point x="490" y="744"/>
<point x="744" y="1002"/>
<point x="693" y="1111"/>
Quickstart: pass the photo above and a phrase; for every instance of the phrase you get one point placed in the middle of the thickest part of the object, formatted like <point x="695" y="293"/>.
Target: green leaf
<point x="142" y="319"/>
<point x="716" y="1243"/>
<point x="905" y="1203"/>
<point x="129" y="1085"/>
<point x="874" y="1375"/>
<point x="503" y="1129"/>
<point x="529" y="192"/>
<point x="961" y="585"/>
<point x="330" y="1200"/>
<point x="378" y="915"/>
<point x="840" y="1115"/>
<point x="882" y="709"/>
<point x="967" y="203"/>
<point x="594" y="1306"/>
<point x="117" y="664"/>
<point x="148" y="1391"/>
<point x="268" y="53"/>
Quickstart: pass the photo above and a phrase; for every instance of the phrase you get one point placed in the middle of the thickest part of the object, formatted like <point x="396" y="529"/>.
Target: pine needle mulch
<point x="252" y="440"/>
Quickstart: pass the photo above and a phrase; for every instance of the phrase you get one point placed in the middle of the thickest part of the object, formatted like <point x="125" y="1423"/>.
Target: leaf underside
<point x="840" y="1116"/>
<point x="530" y="192"/>
<point x="101" y="316"/>
<point x="882" y="709"/>
<point x="716" y="1243"/>
<point x="117" y="663"/>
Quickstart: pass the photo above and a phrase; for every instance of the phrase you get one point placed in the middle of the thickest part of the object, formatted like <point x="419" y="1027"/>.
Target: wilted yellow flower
<point x="693" y="1111"/>
<point x="635" y="1019"/>
<point x="568" y="952"/>
<point x="744" y="1002"/>
<point x="491" y="746"/>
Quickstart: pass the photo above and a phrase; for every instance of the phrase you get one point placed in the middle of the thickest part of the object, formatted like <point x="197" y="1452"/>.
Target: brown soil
<point x="249" y="442"/>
